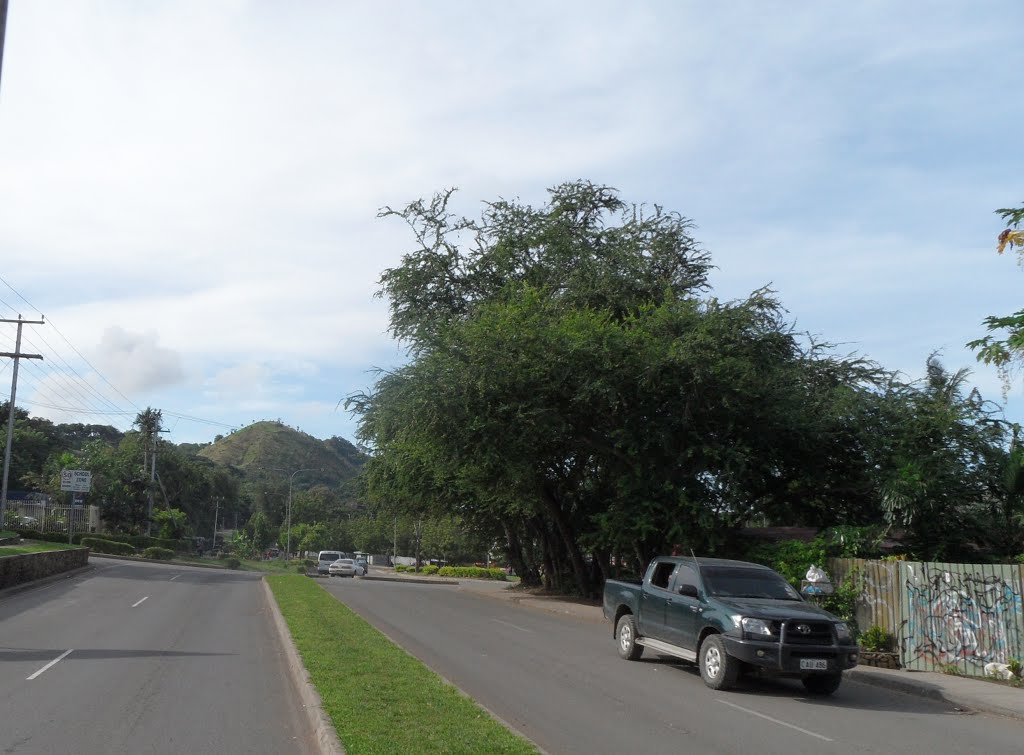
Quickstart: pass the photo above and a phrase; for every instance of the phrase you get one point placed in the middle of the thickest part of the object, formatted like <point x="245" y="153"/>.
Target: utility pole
<point x="3" y="30"/>
<point x="216" y="511"/>
<point x="16" y="355"/>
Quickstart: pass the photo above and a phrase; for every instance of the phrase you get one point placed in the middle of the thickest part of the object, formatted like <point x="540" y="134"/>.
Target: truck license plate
<point x="813" y="664"/>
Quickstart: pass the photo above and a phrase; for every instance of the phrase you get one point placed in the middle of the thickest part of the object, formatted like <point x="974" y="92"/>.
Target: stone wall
<point x="28" y="567"/>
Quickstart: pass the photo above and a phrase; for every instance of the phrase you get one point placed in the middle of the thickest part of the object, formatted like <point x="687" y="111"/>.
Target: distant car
<point x="344" y="567"/>
<point x="364" y="565"/>
<point x="324" y="559"/>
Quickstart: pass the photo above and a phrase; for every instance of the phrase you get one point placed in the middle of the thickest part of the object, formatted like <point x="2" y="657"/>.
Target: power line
<point x="64" y="388"/>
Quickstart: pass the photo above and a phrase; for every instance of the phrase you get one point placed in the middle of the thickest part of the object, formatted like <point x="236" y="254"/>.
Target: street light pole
<point x="288" y="515"/>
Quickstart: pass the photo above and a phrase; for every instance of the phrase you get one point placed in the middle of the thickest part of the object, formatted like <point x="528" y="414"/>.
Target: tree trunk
<point x="527" y="574"/>
<point x="572" y="550"/>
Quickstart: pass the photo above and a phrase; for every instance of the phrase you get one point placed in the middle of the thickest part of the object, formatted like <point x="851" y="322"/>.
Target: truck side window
<point x="661" y="575"/>
<point x="685" y="576"/>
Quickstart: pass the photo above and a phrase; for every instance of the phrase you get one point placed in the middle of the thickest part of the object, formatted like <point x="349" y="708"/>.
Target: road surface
<point x="558" y="681"/>
<point x="145" y="658"/>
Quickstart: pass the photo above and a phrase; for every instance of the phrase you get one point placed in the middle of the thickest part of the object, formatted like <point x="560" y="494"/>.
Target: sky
<point x="189" y="190"/>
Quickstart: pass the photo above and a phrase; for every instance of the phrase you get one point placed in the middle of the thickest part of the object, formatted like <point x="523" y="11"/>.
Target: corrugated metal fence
<point x="941" y="615"/>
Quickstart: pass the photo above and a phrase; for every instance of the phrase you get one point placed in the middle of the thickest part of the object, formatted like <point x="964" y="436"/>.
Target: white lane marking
<point x="54" y="662"/>
<point x="140" y="602"/>
<point x="776" y="721"/>
<point x="174" y="577"/>
<point x="521" y="629"/>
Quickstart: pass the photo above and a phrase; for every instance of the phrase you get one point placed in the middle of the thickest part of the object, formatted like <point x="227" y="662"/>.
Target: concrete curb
<point x="326" y="737"/>
<point x="902" y="681"/>
<point x="413" y="580"/>
<point x="26" y="586"/>
<point x="142" y="560"/>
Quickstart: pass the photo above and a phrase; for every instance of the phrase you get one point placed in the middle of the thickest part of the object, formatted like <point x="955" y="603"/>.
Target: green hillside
<point x="271" y="444"/>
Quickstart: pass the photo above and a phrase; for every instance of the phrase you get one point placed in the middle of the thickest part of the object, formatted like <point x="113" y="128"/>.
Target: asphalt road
<point x="558" y="681"/>
<point x="145" y="658"/>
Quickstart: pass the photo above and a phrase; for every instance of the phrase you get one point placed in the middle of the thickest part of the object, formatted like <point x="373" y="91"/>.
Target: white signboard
<point x="75" y="480"/>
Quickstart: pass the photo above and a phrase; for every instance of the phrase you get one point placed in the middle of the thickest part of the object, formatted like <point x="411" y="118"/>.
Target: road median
<point x="378" y="697"/>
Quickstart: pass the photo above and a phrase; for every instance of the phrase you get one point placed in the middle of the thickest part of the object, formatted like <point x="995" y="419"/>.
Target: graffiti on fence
<point x="959" y="617"/>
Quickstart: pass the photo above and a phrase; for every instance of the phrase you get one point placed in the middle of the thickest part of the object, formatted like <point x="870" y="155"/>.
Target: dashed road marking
<point x="521" y="629"/>
<point x="49" y="665"/>
<point x="137" y="603"/>
<point x="777" y="721"/>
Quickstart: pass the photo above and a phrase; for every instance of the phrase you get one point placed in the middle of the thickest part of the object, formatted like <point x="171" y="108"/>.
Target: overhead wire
<point x="59" y="386"/>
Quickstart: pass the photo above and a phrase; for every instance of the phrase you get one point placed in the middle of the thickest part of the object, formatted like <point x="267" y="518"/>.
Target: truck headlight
<point x="757" y="627"/>
<point x="842" y="631"/>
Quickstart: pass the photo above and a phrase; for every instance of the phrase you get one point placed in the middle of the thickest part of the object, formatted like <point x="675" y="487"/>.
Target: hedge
<point x="472" y="572"/>
<point x="108" y="546"/>
<point x="136" y="541"/>
<point x="159" y="554"/>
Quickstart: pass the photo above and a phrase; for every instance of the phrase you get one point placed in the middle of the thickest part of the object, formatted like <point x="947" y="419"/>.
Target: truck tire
<point x="626" y="632"/>
<point x="822" y="684"/>
<point x="718" y="669"/>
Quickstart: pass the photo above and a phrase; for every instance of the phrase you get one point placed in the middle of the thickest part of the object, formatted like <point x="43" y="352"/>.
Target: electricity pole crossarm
<point x="17" y="356"/>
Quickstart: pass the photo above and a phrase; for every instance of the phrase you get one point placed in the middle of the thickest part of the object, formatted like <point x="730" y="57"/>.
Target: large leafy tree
<point x="571" y="390"/>
<point x="941" y="478"/>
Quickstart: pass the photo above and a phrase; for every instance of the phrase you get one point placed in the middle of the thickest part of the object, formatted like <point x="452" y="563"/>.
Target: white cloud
<point x="208" y="174"/>
<point x="136" y="362"/>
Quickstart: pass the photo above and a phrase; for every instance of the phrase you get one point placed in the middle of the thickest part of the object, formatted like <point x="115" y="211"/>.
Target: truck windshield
<point x="739" y="582"/>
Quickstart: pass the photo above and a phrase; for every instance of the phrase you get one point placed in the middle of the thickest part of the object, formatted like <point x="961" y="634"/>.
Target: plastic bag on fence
<point x="816" y="582"/>
<point x="814" y="574"/>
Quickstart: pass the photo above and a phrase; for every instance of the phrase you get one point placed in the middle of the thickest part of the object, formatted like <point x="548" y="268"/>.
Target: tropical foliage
<point x="1004" y="346"/>
<point x="575" y="395"/>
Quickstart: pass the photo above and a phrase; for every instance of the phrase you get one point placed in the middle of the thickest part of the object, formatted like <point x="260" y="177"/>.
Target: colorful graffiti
<point x="959" y="614"/>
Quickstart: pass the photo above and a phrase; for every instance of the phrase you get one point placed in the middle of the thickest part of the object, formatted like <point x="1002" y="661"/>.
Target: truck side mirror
<point x="690" y="591"/>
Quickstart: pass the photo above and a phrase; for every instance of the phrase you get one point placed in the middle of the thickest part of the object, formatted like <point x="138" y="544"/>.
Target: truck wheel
<point x="718" y="669"/>
<point x="625" y="630"/>
<point x="822" y="684"/>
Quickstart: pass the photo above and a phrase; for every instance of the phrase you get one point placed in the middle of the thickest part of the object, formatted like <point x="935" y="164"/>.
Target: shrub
<point x="876" y="640"/>
<point x="233" y="563"/>
<point x="301" y="569"/>
<point x="430" y="569"/>
<point x="98" y="545"/>
<point x="1016" y="668"/>
<point x="159" y="554"/>
<point x="401" y="567"/>
<point x="472" y="572"/>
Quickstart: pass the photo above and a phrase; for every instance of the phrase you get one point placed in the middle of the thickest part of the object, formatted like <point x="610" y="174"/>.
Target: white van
<point x="324" y="559"/>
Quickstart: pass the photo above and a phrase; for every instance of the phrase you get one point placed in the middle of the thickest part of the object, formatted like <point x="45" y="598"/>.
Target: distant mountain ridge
<point x="275" y="445"/>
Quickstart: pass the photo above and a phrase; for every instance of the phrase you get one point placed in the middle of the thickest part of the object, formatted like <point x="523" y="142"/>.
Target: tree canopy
<point x="576" y="394"/>
<point x="1004" y="346"/>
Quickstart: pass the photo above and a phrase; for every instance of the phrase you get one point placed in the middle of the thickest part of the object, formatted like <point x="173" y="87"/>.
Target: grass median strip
<point x="381" y="699"/>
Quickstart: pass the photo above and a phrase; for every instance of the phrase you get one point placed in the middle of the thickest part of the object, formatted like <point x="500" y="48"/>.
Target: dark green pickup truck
<point x="729" y="617"/>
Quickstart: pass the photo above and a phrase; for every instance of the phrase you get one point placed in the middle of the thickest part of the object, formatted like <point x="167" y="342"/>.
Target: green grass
<point x="33" y="546"/>
<point x="7" y="533"/>
<point x="275" y="566"/>
<point x="381" y="699"/>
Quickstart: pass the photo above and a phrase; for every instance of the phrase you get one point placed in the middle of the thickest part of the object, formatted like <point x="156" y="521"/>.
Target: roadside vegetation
<point x="33" y="547"/>
<point x="577" y="393"/>
<point x="576" y="401"/>
<point x="381" y="699"/>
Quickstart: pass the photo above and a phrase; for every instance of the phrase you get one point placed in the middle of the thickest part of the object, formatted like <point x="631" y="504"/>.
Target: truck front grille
<point x="808" y="632"/>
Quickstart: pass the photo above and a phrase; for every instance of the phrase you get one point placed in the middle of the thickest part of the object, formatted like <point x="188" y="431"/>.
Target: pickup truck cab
<point x="729" y="617"/>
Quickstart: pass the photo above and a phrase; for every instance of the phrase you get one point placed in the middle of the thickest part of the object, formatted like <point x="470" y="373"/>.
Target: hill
<point x="271" y="444"/>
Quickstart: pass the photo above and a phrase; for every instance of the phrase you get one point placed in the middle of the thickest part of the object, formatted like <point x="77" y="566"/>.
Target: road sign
<point x="75" y="480"/>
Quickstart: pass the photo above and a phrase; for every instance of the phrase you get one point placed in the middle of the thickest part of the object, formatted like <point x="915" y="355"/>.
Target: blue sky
<point x="189" y="190"/>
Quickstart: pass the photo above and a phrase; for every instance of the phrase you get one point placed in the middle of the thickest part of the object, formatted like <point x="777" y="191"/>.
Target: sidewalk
<point x="962" y="692"/>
